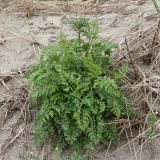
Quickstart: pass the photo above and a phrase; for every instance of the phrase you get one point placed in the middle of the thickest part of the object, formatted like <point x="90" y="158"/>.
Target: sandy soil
<point x="21" y="39"/>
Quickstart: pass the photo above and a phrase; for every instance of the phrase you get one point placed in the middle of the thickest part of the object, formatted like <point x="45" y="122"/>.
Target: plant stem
<point x="79" y="36"/>
<point x="156" y="6"/>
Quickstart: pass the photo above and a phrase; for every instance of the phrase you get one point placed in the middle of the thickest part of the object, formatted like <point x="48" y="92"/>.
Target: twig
<point x="132" y="140"/>
<point x="17" y="135"/>
<point x="131" y="60"/>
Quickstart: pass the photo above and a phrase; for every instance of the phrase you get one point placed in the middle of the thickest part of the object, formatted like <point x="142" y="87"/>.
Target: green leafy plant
<point x="75" y="88"/>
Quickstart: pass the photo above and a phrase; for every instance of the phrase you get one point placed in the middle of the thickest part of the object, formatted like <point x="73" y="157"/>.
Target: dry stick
<point x="144" y="126"/>
<point x="150" y="55"/>
<point x="136" y="95"/>
<point x="153" y="65"/>
<point x="130" y="148"/>
<point x="5" y="117"/>
<point x="6" y="79"/>
<point x="144" y="53"/>
<point x="17" y="135"/>
<point x="157" y="140"/>
<point x="108" y="148"/>
<point x="157" y="135"/>
<point x="4" y="84"/>
<point x="34" y="49"/>
<point x="143" y="32"/>
<point x="123" y="128"/>
<point x="5" y="102"/>
<point x="15" y="148"/>
<point x="125" y="121"/>
<point x="146" y="104"/>
<point x="132" y="140"/>
<point x="134" y="148"/>
<point x="131" y="60"/>
<point x="151" y="109"/>
<point x="15" y="73"/>
<point x="21" y="113"/>
<point x="155" y="35"/>
<point x="144" y="78"/>
<point x="42" y="157"/>
<point x="22" y="130"/>
<point x="12" y="140"/>
<point x="145" y="141"/>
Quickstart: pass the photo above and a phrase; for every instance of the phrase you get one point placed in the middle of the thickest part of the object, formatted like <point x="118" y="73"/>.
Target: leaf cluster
<point x="75" y="88"/>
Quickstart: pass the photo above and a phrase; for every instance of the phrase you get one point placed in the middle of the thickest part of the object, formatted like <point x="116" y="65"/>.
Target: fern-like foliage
<point x="76" y="90"/>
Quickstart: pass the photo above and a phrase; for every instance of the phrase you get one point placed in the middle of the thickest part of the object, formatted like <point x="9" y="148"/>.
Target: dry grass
<point x="16" y="103"/>
<point x="141" y="52"/>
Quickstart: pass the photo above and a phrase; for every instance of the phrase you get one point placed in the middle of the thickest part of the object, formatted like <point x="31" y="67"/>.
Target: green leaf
<point x="76" y="92"/>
